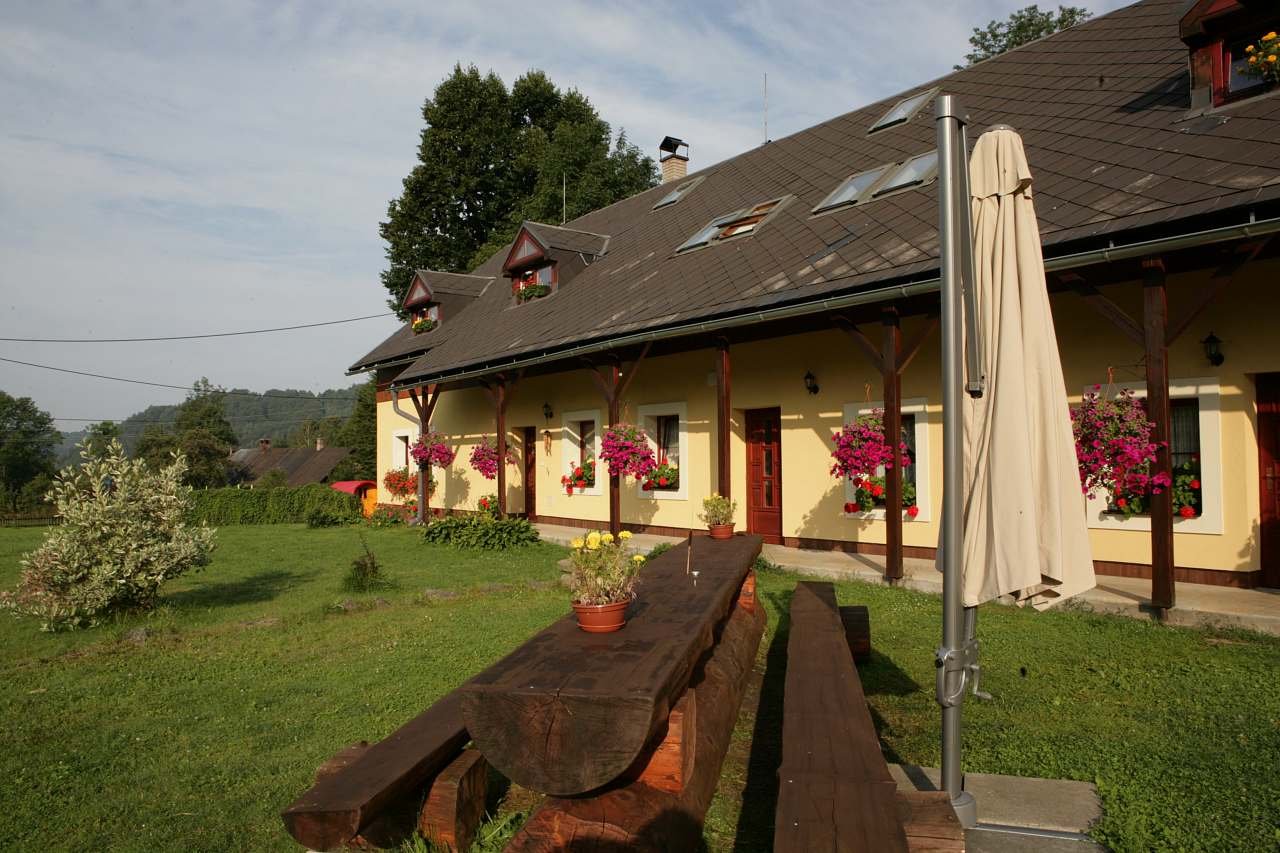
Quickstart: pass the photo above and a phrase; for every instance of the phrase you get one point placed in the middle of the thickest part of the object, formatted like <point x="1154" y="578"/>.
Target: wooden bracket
<point x="670" y="765"/>
<point x="1222" y="276"/>
<point x="1130" y="327"/>
<point x="456" y="801"/>
<point x="870" y="350"/>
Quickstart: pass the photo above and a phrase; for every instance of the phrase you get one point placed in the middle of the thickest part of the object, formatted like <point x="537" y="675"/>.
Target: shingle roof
<point x="404" y="343"/>
<point x="1103" y="109"/>
<point x="301" y="465"/>
<point x="464" y="284"/>
<point x="568" y="239"/>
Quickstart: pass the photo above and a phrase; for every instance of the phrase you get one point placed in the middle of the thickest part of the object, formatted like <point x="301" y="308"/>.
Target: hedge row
<point x="272" y="506"/>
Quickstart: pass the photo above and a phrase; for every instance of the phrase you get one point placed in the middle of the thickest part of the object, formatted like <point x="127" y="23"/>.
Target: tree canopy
<point x="1023" y="26"/>
<point x="28" y="446"/>
<point x="488" y="159"/>
<point x="201" y="433"/>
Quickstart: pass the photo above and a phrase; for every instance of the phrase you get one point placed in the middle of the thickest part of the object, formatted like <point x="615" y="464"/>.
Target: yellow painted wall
<point x="770" y="373"/>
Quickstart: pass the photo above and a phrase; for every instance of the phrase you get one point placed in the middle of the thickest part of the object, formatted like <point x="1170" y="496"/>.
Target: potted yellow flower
<point x="603" y="579"/>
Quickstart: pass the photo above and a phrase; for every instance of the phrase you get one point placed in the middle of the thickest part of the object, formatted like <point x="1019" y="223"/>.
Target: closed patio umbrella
<point x="1024" y="519"/>
<point x="1013" y="519"/>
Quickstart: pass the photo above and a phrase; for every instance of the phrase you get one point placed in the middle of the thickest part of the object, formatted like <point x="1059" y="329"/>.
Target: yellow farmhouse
<point x="743" y="313"/>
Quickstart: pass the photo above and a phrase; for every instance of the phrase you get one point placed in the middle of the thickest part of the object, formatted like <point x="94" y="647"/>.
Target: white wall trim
<point x="570" y="442"/>
<point x="1210" y="521"/>
<point x="647" y="417"/>
<point x="396" y="435"/>
<point x="919" y="407"/>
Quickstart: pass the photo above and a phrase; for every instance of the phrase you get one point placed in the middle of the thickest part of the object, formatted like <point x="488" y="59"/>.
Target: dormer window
<point x="534" y="284"/>
<point x="425" y="318"/>
<point x="1235" y="50"/>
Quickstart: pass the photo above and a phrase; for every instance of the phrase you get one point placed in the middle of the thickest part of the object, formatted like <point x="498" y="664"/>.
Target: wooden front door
<point x="529" y="453"/>
<point x="764" y="473"/>
<point x="1269" y="470"/>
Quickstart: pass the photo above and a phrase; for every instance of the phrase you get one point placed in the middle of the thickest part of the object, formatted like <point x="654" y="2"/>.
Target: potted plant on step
<point x="604" y="575"/>
<point x="717" y="512"/>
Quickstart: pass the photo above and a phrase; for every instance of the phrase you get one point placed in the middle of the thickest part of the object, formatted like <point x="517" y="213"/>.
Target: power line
<point x="192" y="337"/>
<point x="265" y="394"/>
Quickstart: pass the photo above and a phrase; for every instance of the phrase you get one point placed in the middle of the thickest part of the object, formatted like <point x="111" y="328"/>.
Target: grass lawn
<point x="195" y="737"/>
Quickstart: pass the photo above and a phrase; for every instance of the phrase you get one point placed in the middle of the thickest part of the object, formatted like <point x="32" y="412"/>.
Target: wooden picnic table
<point x="569" y="712"/>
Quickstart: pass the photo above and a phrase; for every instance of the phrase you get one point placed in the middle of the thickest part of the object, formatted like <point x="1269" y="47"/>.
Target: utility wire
<point x="192" y="337"/>
<point x="166" y="385"/>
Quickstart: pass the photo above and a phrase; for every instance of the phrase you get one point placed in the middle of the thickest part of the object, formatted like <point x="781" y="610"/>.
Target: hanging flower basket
<point x="1115" y="452"/>
<point x="484" y="458"/>
<point x="861" y="455"/>
<point x="625" y="448"/>
<point x="430" y="449"/>
<point x="580" y="477"/>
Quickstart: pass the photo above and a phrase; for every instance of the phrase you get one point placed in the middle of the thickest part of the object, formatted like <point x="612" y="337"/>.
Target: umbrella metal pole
<point x="953" y="656"/>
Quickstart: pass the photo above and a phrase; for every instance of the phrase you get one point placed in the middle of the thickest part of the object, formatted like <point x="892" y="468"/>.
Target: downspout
<point x="395" y="407"/>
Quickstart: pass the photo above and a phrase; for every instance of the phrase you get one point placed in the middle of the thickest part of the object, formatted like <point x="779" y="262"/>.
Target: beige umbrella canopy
<point x="1024" y="518"/>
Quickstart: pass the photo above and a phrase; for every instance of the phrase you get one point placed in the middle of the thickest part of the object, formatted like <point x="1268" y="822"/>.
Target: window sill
<point x="881" y="515"/>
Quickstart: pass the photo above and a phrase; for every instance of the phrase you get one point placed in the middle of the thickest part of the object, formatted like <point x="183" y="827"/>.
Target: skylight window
<point x="678" y="193"/>
<point x="903" y="110"/>
<point x="743" y="221"/>
<point x="915" y="172"/>
<point x="854" y="189"/>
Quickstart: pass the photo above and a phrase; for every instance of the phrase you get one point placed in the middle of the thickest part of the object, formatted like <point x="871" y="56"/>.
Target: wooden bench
<point x="835" y="791"/>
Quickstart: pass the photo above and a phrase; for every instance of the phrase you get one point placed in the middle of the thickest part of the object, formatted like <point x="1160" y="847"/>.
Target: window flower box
<point x="580" y="477"/>
<point x="664" y="477"/>
<point x="423" y="324"/>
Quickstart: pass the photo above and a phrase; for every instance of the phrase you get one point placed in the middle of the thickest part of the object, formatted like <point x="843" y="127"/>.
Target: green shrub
<point x="383" y="517"/>
<point x="271" y="506"/>
<point x="124" y="532"/>
<point x="321" y="517"/>
<point x="658" y="550"/>
<point x="481" y="531"/>
<point x="365" y="574"/>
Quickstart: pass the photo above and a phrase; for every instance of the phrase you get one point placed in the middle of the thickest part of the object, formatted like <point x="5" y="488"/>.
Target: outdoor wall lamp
<point x="546" y="411"/>
<point x="810" y="382"/>
<point x="1213" y="350"/>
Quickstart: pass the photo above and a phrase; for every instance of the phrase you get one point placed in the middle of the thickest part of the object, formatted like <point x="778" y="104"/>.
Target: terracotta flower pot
<point x="721" y="531"/>
<point x="601" y="618"/>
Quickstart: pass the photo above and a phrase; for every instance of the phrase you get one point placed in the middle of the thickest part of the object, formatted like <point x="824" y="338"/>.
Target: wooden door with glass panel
<point x="764" y="473"/>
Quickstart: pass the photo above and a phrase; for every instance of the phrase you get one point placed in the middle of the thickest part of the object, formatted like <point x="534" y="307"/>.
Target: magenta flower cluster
<point x="484" y="458"/>
<point x="430" y="449"/>
<point x="861" y="449"/>
<point x="1114" y="449"/>
<point x="626" y="450"/>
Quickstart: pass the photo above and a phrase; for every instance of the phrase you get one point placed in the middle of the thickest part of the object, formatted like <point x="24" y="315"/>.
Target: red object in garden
<point x="601" y="618"/>
<point x="721" y="531"/>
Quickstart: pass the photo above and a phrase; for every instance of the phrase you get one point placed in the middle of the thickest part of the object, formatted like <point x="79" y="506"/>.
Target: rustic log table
<point x="569" y="712"/>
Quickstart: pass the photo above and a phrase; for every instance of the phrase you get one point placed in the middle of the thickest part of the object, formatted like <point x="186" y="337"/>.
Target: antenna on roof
<point x="766" y="106"/>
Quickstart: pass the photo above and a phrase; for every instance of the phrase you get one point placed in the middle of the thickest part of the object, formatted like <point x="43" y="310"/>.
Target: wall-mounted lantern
<point x="1213" y="350"/>
<point x="810" y="382"/>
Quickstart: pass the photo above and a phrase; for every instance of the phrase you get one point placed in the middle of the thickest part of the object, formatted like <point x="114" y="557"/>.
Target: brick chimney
<point x="264" y="444"/>
<point x="674" y="157"/>
<point x="319" y="443"/>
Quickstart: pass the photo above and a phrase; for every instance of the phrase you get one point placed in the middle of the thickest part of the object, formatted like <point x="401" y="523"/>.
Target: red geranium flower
<point x="877" y="491"/>
<point x="648" y="485"/>
<point x="568" y="490"/>
<point x="1187" y="511"/>
<point x="848" y="506"/>
<point x="1195" y="484"/>
<point x="1122" y="503"/>
<point x="856" y="508"/>
<point x="913" y="511"/>
<point x="581" y="484"/>
<point x="577" y="472"/>
<point x="662" y="481"/>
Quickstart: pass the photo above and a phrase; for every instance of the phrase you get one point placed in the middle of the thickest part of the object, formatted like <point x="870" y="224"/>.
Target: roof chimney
<point x="674" y="158"/>
<point x="264" y="444"/>
<point x="319" y="443"/>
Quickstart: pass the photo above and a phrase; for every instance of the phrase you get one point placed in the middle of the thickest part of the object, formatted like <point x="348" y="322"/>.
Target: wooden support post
<point x="500" y="392"/>
<point x="892" y="380"/>
<point x="615" y="480"/>
<point x="724" y="412"/>
<point x="425" y="406"/>
<point x="455" y="802"/>
<point x="1155" y="312"/>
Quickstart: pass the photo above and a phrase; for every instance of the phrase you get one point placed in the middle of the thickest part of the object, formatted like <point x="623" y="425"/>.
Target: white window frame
<point x="1209" y="394"/>
<point x="571" y="444"/>
<point x="409" y="436"/>
<point x="918" y="407"/>
<point x="647" y="417"/>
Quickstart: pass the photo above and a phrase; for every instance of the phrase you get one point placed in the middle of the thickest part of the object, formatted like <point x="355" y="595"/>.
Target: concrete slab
<point x="1059" y="805"/>
<point x="979" y="840"/>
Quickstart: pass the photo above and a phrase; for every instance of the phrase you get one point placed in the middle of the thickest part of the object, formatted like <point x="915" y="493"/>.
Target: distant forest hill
<point x="274" y="414"/>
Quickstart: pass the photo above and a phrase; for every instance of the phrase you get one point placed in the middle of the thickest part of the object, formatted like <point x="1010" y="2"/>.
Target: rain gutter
<point x="1253" y="228"/>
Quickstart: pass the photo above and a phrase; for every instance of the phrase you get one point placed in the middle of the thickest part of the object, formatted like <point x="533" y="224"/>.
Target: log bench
<point x="835" y="792"/>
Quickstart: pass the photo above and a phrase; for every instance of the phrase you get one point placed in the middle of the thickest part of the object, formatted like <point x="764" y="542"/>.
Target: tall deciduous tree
<point x="99" y="435"/>
<point x="489" y="158"/>
<point x="360" y="433"/>
<point x="1024" y="25"/>
<point x="201" y="433"/>
<point x="28" y="445"/>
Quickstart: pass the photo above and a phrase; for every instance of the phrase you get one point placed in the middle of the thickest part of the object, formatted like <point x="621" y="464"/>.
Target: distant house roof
<point x="300" y="465"/>
<point x="352" y="487"/>
<point x="1104" y="109"/>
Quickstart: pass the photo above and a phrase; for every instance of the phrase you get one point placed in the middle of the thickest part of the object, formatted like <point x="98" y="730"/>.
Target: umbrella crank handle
<point x="976" y="670"/>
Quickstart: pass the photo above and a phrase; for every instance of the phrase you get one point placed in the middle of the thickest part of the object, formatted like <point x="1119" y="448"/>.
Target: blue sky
<point x="176" y="168"/>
